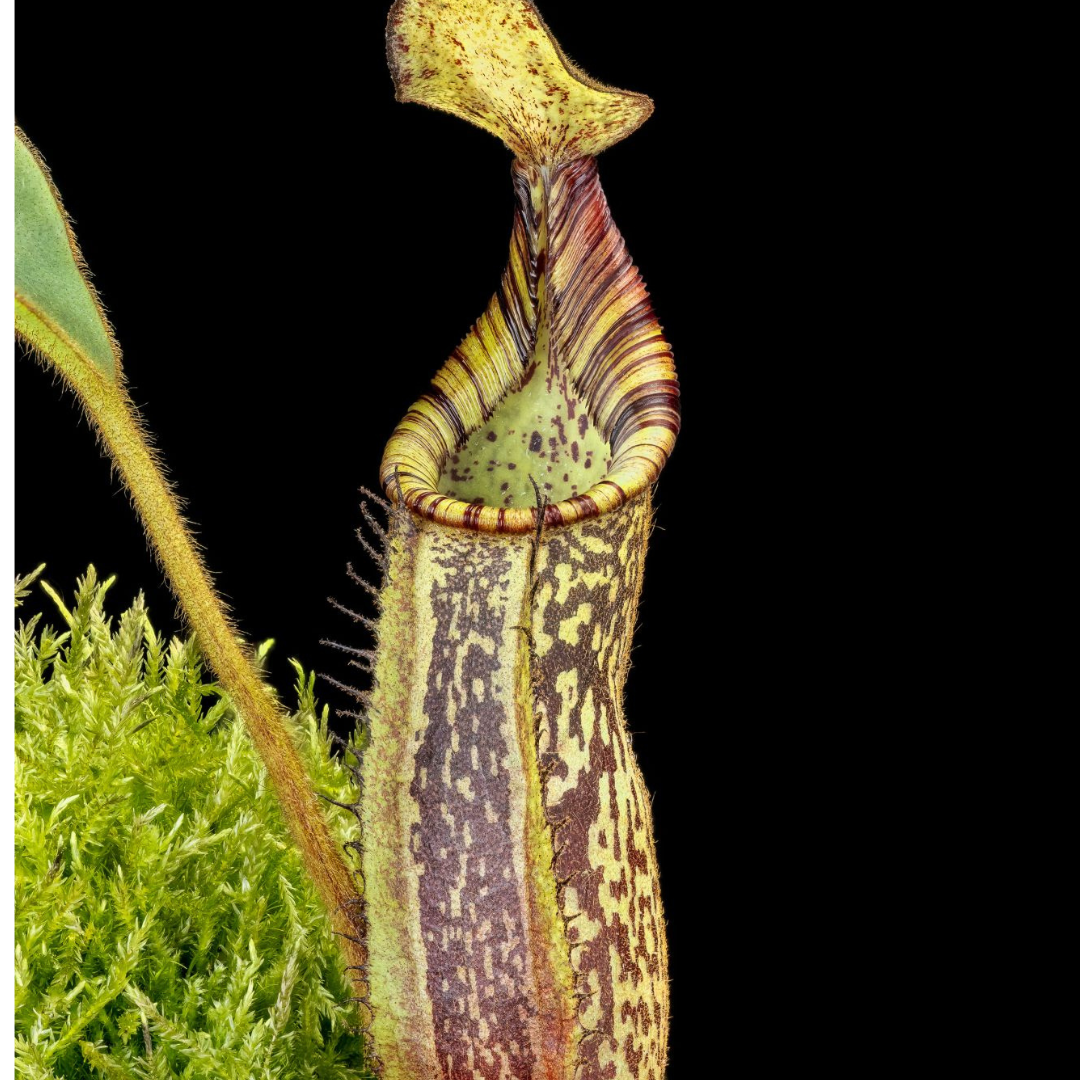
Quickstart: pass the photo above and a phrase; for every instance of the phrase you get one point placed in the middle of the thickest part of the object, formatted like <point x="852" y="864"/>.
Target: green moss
<point x="164" y="926"/>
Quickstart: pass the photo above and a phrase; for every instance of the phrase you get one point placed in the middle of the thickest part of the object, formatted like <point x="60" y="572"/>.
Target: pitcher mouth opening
<point x="430" y="480"/>
<point x="564" y="394"/>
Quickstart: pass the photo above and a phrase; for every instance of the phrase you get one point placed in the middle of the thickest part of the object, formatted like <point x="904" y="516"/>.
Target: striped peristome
<point x="569" y="274"/>
<point x="571" y="305"/>
<point x="514" y="926"/>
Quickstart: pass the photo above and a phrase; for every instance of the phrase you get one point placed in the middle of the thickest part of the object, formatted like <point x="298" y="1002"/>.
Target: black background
<point x="287" y="255"/>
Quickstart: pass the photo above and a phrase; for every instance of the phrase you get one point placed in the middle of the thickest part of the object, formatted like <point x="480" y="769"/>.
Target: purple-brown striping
<point x="608" y="350"/>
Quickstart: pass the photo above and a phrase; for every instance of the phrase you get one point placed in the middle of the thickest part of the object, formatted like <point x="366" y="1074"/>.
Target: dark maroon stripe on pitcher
<point x="470" y="906"/>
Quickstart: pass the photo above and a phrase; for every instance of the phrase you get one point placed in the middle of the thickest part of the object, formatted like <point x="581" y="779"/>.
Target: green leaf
<point x="57" y="310"/>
